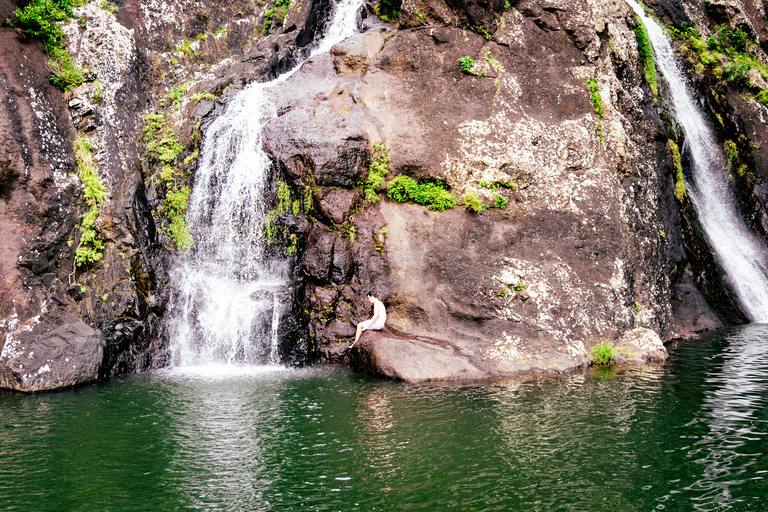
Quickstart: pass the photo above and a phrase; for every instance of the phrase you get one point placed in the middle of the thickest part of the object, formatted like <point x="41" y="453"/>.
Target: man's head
<point x="371" y="299"/>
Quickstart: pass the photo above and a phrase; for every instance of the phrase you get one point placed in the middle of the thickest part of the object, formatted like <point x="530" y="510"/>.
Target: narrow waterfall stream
<point x="226" y="305"/>
<point x="739" y="252"/>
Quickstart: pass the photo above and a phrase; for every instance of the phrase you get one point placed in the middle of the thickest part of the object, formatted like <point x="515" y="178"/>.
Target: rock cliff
<point x="537" y="116"/>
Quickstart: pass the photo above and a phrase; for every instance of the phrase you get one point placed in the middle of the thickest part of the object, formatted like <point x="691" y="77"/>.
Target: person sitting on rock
<point x="376" y="323"/>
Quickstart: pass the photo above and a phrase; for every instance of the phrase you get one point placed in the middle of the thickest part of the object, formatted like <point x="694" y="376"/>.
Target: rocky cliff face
<point x="553" y="128"/>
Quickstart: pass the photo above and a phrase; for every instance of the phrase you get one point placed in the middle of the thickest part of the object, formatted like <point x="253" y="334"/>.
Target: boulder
<point x="64" y="357"/>
<point x="641" y="345"/>
<point x="413" y="360"/>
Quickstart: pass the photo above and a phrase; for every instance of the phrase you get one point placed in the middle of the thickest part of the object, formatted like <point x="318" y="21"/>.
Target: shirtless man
<point x="376" y="323"/>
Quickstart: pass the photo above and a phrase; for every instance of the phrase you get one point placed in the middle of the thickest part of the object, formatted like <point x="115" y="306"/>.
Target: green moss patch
<point x="646" y="53"/>
<point x="433" y="194"/>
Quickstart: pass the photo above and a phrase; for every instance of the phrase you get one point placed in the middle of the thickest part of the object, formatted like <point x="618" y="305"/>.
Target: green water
<point x="686" y="435"/>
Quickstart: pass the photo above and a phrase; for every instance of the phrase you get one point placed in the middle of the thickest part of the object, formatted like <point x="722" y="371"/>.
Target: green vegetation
<point x="599" y="131"/>
<point x="594" y="97"/>
<point x="646" y="53"/>
<point x="349" y="232"/>
<point x="284" y="199"/>
<point x="162" y="142"/>
<point x="388" y="10"/>
<point x="497" y="185"/>
<point x="177" y="93"/>
<point x="728" y="55"/>
<point x="198" y="97"/>
<point x="472" y="202"/>
<point x="377" y="171"/>
<point x="491" y="61"/>
<point x="90" y="248"/>
<point x="467" y="63"/>
<point x="276" y="13"/>
<point x="418" y="15"/>
<point x="731" y="151"/>
<point x="603" y="353"/>
<point x="175" y="209"/>
<point x="108" y="6"/>
<point x="500" y="202"/>
<point x="677" y="161"/>
<point x="432" y="194"/>
<point x="97" y="92"/>
<point x="482" y="31"/>
<point x="275" y="232"/>
<point x="163" y="145"/>
<point x="41" y="19"/>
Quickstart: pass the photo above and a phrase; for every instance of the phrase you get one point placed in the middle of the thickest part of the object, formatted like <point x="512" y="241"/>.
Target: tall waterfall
<point x="739" y="252"/>
<point x="226" y="307"/>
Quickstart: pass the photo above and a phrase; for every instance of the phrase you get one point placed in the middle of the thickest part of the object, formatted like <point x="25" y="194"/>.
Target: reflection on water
<point x="732" y="413"/>
<point x="686" y="435"/>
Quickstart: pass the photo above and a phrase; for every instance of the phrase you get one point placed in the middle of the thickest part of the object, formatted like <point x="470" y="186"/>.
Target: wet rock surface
<point x="591" y="242"/>
<point x="124" y="294"/>
<point x="67" y="356"/>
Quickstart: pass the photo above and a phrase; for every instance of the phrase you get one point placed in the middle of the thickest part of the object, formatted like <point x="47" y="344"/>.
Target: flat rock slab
<point x="413" y="360"/>
<point x="64" y="357"/>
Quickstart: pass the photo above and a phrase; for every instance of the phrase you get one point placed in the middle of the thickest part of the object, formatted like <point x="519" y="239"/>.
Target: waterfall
<point x="225" y="308"/>
<point x="739" y="252"/>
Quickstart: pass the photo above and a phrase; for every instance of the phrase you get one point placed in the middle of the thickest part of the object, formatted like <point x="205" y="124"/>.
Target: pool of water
<point x="686" y="435"/>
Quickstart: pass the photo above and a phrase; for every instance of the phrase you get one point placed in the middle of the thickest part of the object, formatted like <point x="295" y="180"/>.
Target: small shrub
<point x="162" y="142"/>
<point x="594" y="97"/>
<point x="482" y="31"/>
<point x="377" y="171"/>
<point x="467" y="63"/>
<point x="388" y="10"/>
<point x="177" y="93"/>
<point x="472" y="202"/>
<point x="432" y="194"/>
<point x="98" y="93"/>
<point x="500" y="202"/>
<point x="737" y="72"/>
<point x="603" y="353"/>
<point x="90" y="248"/>
<point x="175" y="208"/>
<point x="762" y="97"/>
<point x="197" y="98"/>
<point x="732" y="39"/>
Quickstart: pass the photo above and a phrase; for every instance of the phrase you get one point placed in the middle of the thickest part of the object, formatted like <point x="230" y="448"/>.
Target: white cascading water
<point x="226" y="307"/>
<point x="739" y="252"/>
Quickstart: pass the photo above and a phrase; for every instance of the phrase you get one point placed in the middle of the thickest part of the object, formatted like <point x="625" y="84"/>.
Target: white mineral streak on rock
<point x="159" y="14"/>
<point x="12" y="327"/>
<point x="548" y="286"/>
<point x="107" y="49"/>
<point x="557" y="159"/>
